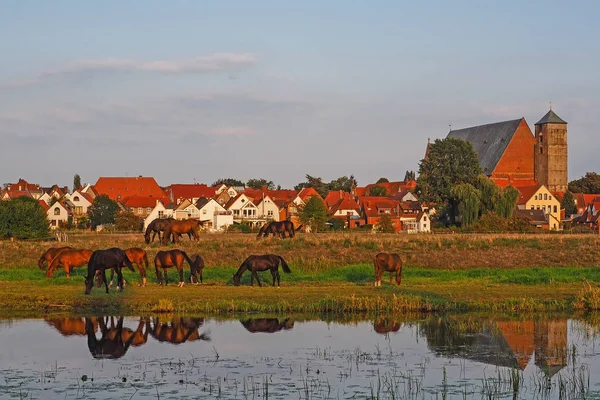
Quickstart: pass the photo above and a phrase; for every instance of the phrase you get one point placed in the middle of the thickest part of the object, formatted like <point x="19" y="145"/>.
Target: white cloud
<point x="200" y="64"/>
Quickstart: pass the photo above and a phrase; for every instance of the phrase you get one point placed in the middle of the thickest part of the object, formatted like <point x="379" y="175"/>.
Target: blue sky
<point x="197" y="90"/>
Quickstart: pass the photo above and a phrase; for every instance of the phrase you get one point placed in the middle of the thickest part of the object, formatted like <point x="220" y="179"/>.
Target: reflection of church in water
<point x="503" y="343"/>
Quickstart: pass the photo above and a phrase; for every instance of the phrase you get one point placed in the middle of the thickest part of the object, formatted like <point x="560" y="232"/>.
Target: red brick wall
<point x="518" y="158"/>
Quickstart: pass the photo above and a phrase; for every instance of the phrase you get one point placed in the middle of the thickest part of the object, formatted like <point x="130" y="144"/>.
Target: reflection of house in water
<point x="504" y="343"/>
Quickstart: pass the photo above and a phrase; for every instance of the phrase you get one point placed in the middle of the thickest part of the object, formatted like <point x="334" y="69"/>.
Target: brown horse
<point x="178" y="330"/>
<point x="178" y="228"/>
<point x="49" y="255"/>
<point x="384" y="326"/>
<point x="175" y="258"/>
<point x="136" y="256"/>
<point x="261" y="263"/>
<point x="69" y="259"/>
<point x="156" y="227"/>
<point x="391" y="263"/>
<point x="267" y="325"/>
<point x="277" y="228"/>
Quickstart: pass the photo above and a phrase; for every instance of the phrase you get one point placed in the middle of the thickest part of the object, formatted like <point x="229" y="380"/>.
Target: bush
<point x="491" y="222"/>
<point x="128" y="221"/>
<point x="23" y="218"/>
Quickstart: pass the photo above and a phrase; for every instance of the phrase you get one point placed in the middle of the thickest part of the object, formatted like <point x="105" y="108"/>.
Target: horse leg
<point x="257" y="280"/>
<point x="181" y="282"/>
<point x="166" y="278"/>
<point x="399" y="276"/>
<point x="391" y="277"/>
<point x="120" y="284"/>
<point x="158" y="274"/>
<point x="142" y="275"/>
<point x="112" y="277"/>
<point x="104" y="280"/>
<point x="67" y="269"/>
<point x="278" y="277"/>
<point x="274" y="274"/>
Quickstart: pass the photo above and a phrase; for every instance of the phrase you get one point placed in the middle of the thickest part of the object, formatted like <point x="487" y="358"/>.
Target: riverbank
<point x="330" y="274"/>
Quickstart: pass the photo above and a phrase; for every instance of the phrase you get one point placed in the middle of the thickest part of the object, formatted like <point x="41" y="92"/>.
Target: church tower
<point x="551" y="161"/>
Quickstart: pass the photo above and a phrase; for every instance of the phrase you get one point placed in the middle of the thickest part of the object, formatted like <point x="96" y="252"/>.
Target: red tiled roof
<point x="372" y="204"/>
<point x="527" y="193"/>
<point x="283" y="194"/>
<point x="22" y="185"/>
<point x="517" y="183"/>
<point x="589" y="198"/>
<point x="44" y="205"/>
<point x="117" y="188"/>
<point x="190" y="191"/>
<point x="346" y="203"/>
<point x="335" y="196"/>
<point x="13" y="194"/>
<point x="143" y="201"/>
<point x="305" y="193"/>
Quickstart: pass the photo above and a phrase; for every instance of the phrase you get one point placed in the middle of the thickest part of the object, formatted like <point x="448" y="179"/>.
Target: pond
<point x="166" y="356"/>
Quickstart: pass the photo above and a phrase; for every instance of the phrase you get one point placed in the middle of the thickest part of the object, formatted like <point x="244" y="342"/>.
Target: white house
<point x="212" y="215"/>
<point x="159" y="211"/>
<point x="423" y="222"/>
<point x="57" y="213"/>
<point x="242" y="208"/>
<point x="81" y="202"/>
<point x="267" y="208"/>
<point x="186" y="209"/>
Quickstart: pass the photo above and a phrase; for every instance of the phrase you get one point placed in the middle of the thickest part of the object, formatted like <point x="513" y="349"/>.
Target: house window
<point x="148" y="210"/>
<point x="140" y="210"/>
<point x="545" y="196"/>
<point x="270" y="213"/>
<point x="56" y="211"/>
<point x="78" y="210"/>
<point x="541" y="150"/>
<point x="204" y="211"/>
<point x="535" y="197"/>
<point x="532" y="207"/>
<point x="161" y="214"/>
<point x="53" y="222"/>
<point x="549" y="197"/>
<point x="538" y="207"/>
<point x="555" y="209"/>
<point x="76" y="198"/>
<point x="544" y="208"/>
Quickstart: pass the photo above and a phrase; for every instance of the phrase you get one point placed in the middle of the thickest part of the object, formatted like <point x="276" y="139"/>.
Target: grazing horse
<point x="156" y="227"/>
<point x="136" y="256"/>
<point x="69" y="259"/>
<point x="178" y="228"/>
<point x="261" y="263"/>
<point x="175" y="258"/>
<point x="49" y="255"/>
<point x="100" y="261"/>
<point x="391" y="263"/>
<point x="112" y="344"/>
<point x="278" y="228"/>
<point x="384" y="326"/>
<point x="267" y="325"/>
<point x="178" y="330"/>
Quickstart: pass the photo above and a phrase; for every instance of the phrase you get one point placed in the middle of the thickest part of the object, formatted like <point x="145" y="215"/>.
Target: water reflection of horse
<point x="267" y="325"/>
<point x="277" y="228"/>
<point x="177" y="330"/>
<point x="175" y="258"/>
<point x="49" y="255"/>
<point x="385" y="326"/>
<point x="71" y="326"/>
<point x="390" y="262"/>
<point x="261" y="263"/>
<point x="100" y="261"/>
<point x="68" y="259"/>
<point x="178" y="228"/>
<point x="115" y="339"/>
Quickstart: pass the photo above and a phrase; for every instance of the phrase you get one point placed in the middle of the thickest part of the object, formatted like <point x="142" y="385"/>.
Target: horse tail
<point x="284" y="265"/>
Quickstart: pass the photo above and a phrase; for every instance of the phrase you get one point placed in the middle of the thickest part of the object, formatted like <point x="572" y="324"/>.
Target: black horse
<point x="156" y="227"/>
<point x="267" y="325"/>
<point x="100" y="261"/>
<point x="278" y="228"/>
<point x="261" y="263"/>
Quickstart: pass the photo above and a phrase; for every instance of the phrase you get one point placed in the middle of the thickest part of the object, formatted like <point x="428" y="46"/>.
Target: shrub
<point x="23" y="218"/>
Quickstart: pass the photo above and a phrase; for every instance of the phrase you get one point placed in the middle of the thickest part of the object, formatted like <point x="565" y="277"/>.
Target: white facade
<point x="243" y="208"/>
<point x="79" y="201"/>
<point x="423" y="223"/>
<point x="344" y="213"/>
<point x="267" y="209"/>
<point x="186" y="210"/>
<point x="159" y="211"/>
<point x="57" y="214"/>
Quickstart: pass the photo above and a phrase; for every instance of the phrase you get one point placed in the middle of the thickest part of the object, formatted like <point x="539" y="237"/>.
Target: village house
<point x="141" y="206"/>
<point x="243" y="209"/>
<point x="539" y="198"/>
<point x="58" y="214"/>
<point x="119" y="188"/>
<point x="192" y="192"/>
<point x="212" y="215"/>
<point x="81" y="202"/>
<point x="158" y="211"/>
<point x="342" y="206"/>
<point x="372" y="207"/>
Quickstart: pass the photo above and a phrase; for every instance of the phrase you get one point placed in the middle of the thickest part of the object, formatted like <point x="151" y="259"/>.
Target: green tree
<point x="469" y="202"/>
<point x="102" y="211"/>
<point x="344" y="183"/>
<point x="313" y="213"/>
<point x="23" y="218"/>
<point x="259" y="183"/>
<point x="377" y="191"/>
<point x="386" y="224"/>
<point x="409" y="176"/>
<point x="589" y="184"/>
<point x="228" y="182"/>
<point x="508" y="202"/>
<point x="450" y="162"/>
<point x="382" y="180"/>
<point x="76" y="182"/>
<point x="128" y="221"/>
<point x="568" y="203"/>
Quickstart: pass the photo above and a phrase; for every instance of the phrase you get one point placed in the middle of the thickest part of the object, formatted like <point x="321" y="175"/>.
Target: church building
<point x="510" y="154"/>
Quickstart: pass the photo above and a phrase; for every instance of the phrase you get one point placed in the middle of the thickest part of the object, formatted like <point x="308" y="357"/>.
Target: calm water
<point x="172" y="357"/>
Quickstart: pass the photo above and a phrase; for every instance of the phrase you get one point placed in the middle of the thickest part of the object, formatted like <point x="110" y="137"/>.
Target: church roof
<point x="551" y="118"/>
<point x="489" y="141"/>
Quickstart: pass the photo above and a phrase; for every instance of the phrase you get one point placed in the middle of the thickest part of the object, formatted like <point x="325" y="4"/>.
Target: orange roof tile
<point x="190" y="191"/>
<point x="44" y="205"/>
<point x="527" y="193"/>
<point x="117" y="188"/>
<point x="143" y="201"/>
<point x="305" y="193"/>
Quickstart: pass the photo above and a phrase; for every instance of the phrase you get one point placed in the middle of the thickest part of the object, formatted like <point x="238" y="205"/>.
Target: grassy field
<point x="331" y="273"/>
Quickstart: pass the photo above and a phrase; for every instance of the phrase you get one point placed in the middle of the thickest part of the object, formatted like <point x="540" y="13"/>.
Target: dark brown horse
<point x="69" y="259"/>
<point x="178" y="330"/>
<point x="136" y="256"/>
<point x="277" y="228"/>
<point x="384" y="326"/>
<point x="100" y="261"/>
<point x="49" y="255"/>
<point x="155" y="228"/>
<point x="175" y="258"/>
<point x="261" y="263"/>
<point x="389" y="262"/>
<point x="267" y="325"/>
<point x="178" y="228"/>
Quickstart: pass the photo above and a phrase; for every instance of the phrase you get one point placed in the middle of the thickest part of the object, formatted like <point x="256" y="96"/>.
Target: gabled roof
<point x="392" y="188"/>
<point x="335" y="196"/>
<point x="372" y="204"/>
<point x="117" y="188"/>
<point x="22" y="185"/>
<point x="346" y="203"/>
<point x="526" y="193"/>
<point x="189" y="191"/>
<point x="489" y="141"/>
<point x="13" y="194"/>
<point x="44" y="205"/>
<point x="282" y="194"/>
<point x="551" y="118"/>
<point x="305" y="193"/>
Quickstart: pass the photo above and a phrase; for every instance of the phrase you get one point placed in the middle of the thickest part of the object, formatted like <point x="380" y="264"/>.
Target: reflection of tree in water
<point x="502" y="343"/>
<point x="115" y="339"/>
<point x="177" y="330"/>
<point x="384" y="326"/>
<point x="267" y="325"/>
